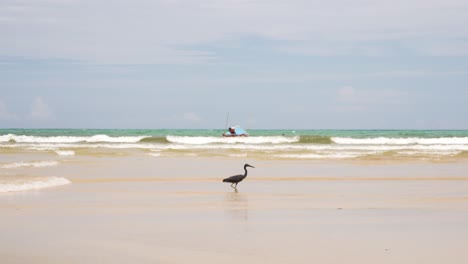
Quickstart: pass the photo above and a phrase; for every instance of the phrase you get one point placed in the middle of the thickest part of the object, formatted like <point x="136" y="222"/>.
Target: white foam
<point x="32" y="183"/>
<point x="35" y="164"/>
<point x="401" y="141"/>
<point x="309" y="147"/>
<point x="68" y="139"/>
<point x="344" y="155"/>
<point x="247" y="147"/>
<point x="231" y="140"/>
<point x="429" y="153"/>
<point x="242" y="146"/>
<point x="283" y="146"/>
<point x="240" y="155"/>
<point x="55" y="146"/>
<point x="65" y="152"/>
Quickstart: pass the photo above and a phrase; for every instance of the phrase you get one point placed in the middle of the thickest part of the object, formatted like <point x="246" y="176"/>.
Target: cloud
<point x="323" y="47"/>
<point x="151" y="31"/>
<point x="5" y="114"/>
<point x="40" y="110"/>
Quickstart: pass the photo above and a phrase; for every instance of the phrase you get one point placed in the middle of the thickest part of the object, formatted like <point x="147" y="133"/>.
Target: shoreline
<point x="177" y="210"/>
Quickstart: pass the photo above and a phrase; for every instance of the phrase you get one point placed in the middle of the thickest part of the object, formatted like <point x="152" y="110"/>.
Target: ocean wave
<point x="401" y="141"/>
<point x="428" y="153"/>
<point x="315" y="140"/>
<point x="57" y="146"/>
<point x="349" y="146"/>
<point x="370" y="154"/>
<point x="197" y="145"/>
<point x="345" y="155"/>
<point x="12" y="183"/>
<point x="232" y="140"/>
<point x="154" y="140"/>
<point x="69" y="139"/>
<point x="238" y="155"/>
<point x="306" y="147"/>
<point x="55" y="141"/>
<point x="65" y="152"/>
<point x="330" y="152"/>
<point x="36" y="164"/>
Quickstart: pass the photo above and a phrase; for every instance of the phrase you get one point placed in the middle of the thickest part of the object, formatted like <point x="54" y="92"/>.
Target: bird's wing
<point x="233" y="178"/>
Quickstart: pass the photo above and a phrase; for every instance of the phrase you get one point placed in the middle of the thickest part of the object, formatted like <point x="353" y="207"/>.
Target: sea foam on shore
<point x="10" y="183"/>
<point x="398" y="145"/>
<point x="36" y="164"/>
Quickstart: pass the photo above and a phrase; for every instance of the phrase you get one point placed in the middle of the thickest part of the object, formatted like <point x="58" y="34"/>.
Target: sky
<point x="270" y="64"/>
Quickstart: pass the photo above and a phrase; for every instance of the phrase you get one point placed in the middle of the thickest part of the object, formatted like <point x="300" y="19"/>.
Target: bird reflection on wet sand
<point x="237" y="206"/>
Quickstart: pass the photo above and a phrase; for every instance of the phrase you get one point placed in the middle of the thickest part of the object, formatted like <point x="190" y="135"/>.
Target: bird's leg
<point x="233" y="186"/>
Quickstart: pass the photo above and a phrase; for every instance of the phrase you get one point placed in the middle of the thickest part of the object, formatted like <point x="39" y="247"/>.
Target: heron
<point x="234" y="180"/>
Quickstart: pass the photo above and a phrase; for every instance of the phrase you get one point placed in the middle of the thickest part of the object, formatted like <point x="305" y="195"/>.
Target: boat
<point x="235" y="131"/>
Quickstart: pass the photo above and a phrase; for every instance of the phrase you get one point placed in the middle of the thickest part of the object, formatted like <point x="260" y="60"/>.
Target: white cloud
<point x="151" y="31"/>
<point x="40" y="110"/>
<point x="5" y="114"/>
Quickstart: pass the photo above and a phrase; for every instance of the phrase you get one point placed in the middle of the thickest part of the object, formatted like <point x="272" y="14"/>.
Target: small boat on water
<point x="236" y="131"/>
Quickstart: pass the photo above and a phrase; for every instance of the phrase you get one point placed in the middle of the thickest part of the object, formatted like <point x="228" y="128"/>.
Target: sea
<point x="17" y="146"/>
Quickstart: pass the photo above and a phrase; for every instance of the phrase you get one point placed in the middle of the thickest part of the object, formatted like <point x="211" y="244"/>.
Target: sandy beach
<point x="119" y="121"/>
<point x="176" y="210"/>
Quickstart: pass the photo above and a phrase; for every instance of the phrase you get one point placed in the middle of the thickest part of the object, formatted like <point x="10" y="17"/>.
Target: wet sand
<point x="177" y="210"/>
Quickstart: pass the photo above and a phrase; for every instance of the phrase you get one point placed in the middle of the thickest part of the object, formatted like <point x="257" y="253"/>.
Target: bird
<point x="234" y="180"/>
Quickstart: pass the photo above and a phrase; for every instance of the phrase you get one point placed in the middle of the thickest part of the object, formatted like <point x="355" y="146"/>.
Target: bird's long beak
<point x="251" y="166"/>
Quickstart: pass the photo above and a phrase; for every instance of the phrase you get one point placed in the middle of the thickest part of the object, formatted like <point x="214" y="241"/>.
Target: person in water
<point x="232" y="132"/>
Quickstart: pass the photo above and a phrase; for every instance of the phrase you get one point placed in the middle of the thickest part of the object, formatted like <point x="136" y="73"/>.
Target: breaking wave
<point x="36" y="164"/>
<point x="269" y="144"/>
<point x="232" y="140"/>
<point x="315" y="140"/>
<point x="323" y="155"/>
<point x="401" y="141"/>
<point x="14" y="184"/>
<point x="154" y="140"/>
<point x="68" y="139"/>
<point x="65" y="152"/>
